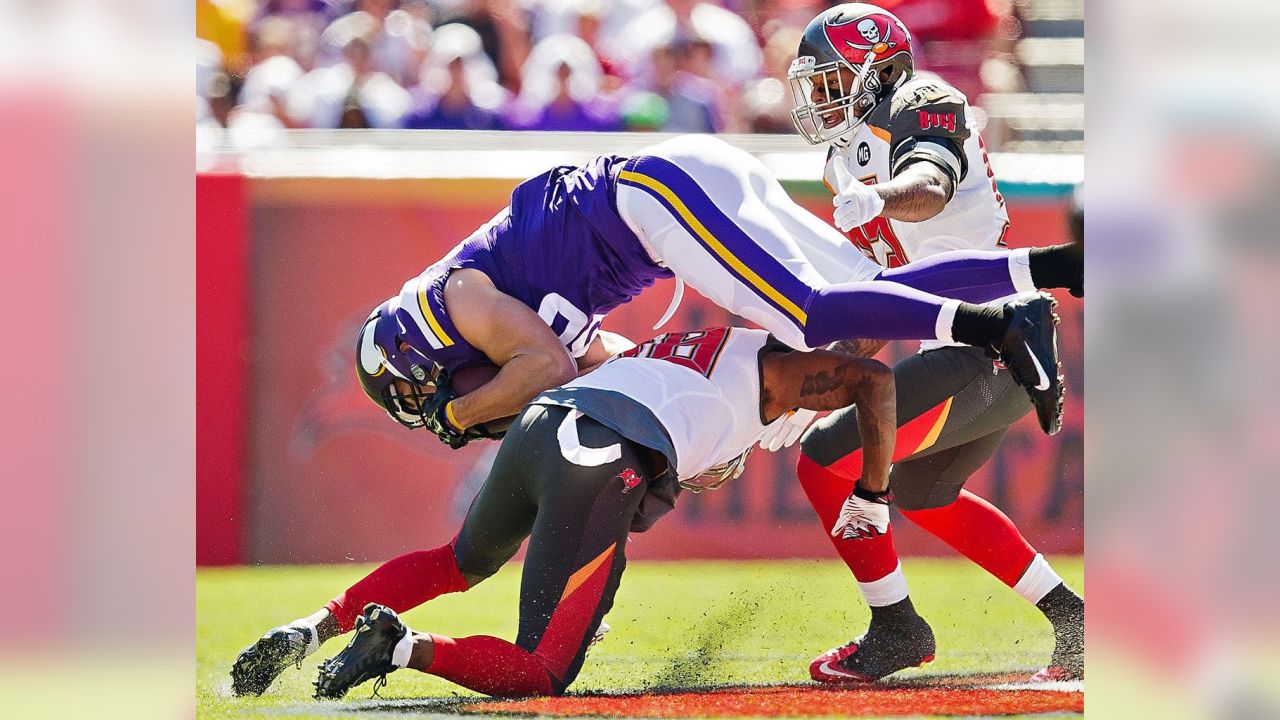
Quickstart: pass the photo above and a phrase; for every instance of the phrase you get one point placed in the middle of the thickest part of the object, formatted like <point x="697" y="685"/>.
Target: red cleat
<point x="881" y="652"/>
<point x="1056" y="673"/>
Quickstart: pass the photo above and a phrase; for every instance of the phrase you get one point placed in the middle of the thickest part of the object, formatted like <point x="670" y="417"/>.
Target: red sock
<point x="870" y="559"/>
<point x="401" y="583"/>
<point x="980" y="532"/>
<point x="491" y="666"/>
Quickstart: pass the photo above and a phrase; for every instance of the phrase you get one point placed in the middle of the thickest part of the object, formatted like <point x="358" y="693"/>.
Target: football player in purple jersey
<point x="528" y="290"/>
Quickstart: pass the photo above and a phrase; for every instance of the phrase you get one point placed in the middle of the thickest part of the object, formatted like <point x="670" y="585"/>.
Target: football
<point x="466" y="380"/>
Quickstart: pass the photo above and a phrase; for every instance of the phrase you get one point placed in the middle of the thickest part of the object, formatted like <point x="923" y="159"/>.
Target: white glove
<point x="864" y="515"/>
<point x="856" y="202"/>
<point x="785" y="432"/>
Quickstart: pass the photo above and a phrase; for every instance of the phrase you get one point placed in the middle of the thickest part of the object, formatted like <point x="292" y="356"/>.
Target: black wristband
<point x="862" y="493"/>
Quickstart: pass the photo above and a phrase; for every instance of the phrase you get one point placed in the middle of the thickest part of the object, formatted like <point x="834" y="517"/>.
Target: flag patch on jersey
<point x="629" y="479"/>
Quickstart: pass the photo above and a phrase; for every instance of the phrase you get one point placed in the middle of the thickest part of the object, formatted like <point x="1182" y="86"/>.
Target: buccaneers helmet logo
<point x="874" y="33"/>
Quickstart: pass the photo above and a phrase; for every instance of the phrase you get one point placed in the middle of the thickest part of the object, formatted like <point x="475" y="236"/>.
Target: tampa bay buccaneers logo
<point x="875" y="33"/>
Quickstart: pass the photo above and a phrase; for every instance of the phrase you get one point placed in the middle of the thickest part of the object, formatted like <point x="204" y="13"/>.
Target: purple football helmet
<point x="382" y="357"/>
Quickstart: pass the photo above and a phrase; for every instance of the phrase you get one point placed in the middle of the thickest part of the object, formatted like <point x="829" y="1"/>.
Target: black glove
<point x="436" y="416"/>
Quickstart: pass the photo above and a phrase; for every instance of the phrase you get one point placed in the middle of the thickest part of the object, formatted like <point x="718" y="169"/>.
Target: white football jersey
<point x="974" y="219"/>
<point x="703" y="387"/>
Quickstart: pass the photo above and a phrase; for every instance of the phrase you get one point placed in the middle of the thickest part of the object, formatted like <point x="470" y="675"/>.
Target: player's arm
<point x="918" y="192"/>
<point x="928" y="128"/>
<point x="603" y="346"/>
<point x="826" y="380"/>
<point x="786" y="434"/>
<point x="513" y="337"/>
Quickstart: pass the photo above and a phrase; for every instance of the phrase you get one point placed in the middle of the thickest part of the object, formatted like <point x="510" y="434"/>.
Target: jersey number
<point x="697" y="351"/>
<point x="879" y="230"/>
<point x="577" y="330"/>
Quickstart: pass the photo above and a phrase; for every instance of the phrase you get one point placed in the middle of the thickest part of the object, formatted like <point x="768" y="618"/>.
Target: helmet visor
<point x="406" y="402"/>
<point x="716" y="476"/>
<point x="829" y="101"/>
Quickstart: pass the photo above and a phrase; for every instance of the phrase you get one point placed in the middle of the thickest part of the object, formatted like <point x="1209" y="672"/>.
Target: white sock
<point x="887" y="590"/>
<point x="314" y="644"/>
<point x="1020" y="270"/>
<point x="404" y="650"/>
<point x="946" y="318"/>
<point x="1037" y="580"/>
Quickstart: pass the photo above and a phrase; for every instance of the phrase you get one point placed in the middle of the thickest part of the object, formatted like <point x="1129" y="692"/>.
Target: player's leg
<point x="572" y="569"/>
<point x="696" y="202"/>
<point x="977" y="419"/>
<point x="826" y="249"/>
<point x="929" y="492"/>
<point x="497" y="522"/>
<point x="830" y="464"/>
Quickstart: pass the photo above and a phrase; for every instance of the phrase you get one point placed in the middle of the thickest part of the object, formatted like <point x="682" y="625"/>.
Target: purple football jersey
<point x="560" y="248"/>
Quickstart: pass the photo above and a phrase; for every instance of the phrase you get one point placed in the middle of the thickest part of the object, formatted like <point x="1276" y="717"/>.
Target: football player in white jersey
<point x="911" y="179"/>
<point x="582" y="467"/>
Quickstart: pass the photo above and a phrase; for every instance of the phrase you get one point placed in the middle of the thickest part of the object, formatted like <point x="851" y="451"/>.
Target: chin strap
<point x="676" y="297"/>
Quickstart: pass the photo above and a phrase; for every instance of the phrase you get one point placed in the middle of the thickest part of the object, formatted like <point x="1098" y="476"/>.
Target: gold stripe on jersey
<point x="716" y="246"/>
<point x="425" y="307"/>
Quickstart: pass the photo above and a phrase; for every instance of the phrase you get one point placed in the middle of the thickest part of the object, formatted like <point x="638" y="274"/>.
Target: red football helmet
<point x="860" y="39"/>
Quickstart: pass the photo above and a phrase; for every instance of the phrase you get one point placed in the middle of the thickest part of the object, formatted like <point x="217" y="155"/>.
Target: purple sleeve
<point x="427" y="325"/>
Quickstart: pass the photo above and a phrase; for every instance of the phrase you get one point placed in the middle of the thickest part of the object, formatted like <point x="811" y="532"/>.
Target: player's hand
<point x="436" y="415"/>
<point x="785" y="432"/>
<point x="864" y="515"/>
<point x="856" y="203"/>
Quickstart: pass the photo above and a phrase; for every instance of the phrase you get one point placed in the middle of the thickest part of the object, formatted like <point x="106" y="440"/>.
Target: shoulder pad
<point x="925" y="89"/>
<point x="925" y="108"/>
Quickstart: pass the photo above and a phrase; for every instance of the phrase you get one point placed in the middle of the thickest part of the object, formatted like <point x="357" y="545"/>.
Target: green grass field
<point x="674" y="624"/>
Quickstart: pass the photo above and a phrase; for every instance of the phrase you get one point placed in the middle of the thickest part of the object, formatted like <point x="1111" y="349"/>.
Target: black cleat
<point x="885" y="649"/>
<point x="1067" y="662"/>
<point x="366" y="657"/>
<point x="262" y="662"/>
<point x="1030" y="350"/>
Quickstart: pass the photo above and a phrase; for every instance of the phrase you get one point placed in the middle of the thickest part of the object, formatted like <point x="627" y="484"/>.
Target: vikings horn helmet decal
<point x="380" y="361"/>
<point x="862" y="41"/>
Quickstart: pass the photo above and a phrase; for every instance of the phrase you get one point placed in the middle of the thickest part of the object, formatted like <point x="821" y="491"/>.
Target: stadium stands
<point x="1047" y="115"/>
<point x="269" y="66"/>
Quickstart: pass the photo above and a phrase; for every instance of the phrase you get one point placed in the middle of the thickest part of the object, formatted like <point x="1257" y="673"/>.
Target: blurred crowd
<point x="639" y="65"/>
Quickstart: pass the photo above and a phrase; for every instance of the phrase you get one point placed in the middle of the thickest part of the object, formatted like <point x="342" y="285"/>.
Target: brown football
<point x="467" y="380"/>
